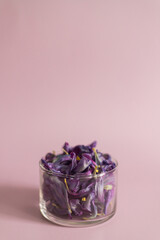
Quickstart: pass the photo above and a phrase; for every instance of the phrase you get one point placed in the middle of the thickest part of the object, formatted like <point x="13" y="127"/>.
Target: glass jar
<point x="76" y="200"/>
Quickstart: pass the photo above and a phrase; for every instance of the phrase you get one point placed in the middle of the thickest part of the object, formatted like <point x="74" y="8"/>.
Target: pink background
<point x="80" y="71"/>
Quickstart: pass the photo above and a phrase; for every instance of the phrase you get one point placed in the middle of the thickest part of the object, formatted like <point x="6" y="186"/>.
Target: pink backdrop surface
<point x="80" y="71"/>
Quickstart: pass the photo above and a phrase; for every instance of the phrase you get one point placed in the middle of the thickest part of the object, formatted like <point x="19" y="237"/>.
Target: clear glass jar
<point x="78" y="201"/>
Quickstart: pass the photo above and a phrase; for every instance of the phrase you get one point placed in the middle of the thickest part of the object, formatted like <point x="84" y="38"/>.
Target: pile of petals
<point x="72" y="186"/>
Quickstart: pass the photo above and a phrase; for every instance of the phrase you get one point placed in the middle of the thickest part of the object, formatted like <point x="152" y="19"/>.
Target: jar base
<point x="74" y="223"/>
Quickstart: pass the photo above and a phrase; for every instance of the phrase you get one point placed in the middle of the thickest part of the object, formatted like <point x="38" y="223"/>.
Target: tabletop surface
<point x="80" y="71"/>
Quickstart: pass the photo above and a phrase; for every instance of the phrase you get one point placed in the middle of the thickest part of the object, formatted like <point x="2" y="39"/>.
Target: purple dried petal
<point x="56" y="210"/>
<point x="101" y="158"/>
<point x="99" y="188"/>
<point x="86" y="205"/>
<point x="82" y="164"/>
<point x="67" y="147"/>
<point x="79" y="149"/>
<point x="45" y="164"/>
<point x="107" y="156"/>
<point x="49" y="157"/>
<point x="74" y="161"/>
<point x="93" y="144"/>
<point x="94" y="210"/>
<point x="73" y="185"/>
<point x="83" y="192"/>
<point x="76" y="207"/>
<point x="47" y="194"/>
<point x="50" y="165"/>
<point x="64" y="158"/>
<point x="108" y="197"/>
<point x="108" y="167"/>
<point x="65" y="169"/>
<point x="109" y="179"/>
<point x="58" y="193"/>
<point x="89" y="156"/>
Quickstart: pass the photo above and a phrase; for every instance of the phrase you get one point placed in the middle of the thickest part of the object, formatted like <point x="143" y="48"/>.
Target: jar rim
<point x="78" y="175"/>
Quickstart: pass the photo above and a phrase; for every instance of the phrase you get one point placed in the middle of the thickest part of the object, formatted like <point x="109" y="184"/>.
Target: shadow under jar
<point x="75" y="200"/>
